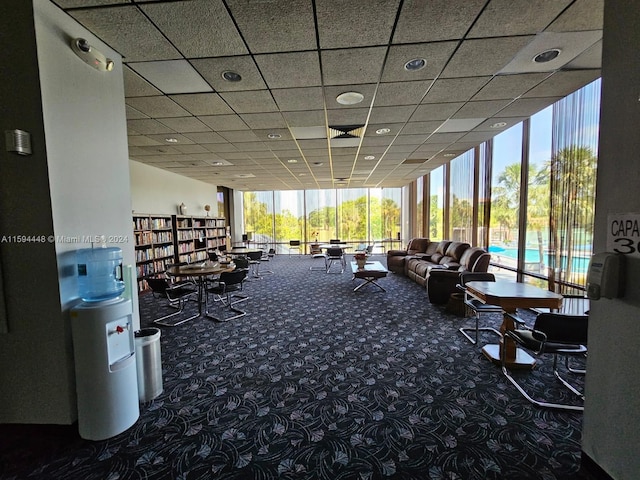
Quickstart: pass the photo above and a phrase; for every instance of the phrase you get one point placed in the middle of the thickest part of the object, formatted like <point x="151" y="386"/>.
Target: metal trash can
<point x="148" y="363"/>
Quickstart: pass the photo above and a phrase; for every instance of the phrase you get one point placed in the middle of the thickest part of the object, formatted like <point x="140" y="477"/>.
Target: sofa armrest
<point x="397" y="253"/>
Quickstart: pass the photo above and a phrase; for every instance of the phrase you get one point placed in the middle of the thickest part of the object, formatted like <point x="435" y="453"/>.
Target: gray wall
<point x="611" y="431"/>
<point x="75" y="183"/>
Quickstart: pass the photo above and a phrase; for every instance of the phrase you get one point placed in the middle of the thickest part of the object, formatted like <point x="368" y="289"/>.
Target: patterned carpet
<point x="320" y="382"/>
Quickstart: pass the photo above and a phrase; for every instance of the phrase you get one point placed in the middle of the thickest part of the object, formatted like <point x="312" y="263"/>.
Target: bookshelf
<point x="195" y="236"/>
<point x="154" y="245"/>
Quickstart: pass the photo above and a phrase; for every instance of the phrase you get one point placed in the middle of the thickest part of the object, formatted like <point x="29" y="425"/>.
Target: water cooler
<point x="103" y="345"/>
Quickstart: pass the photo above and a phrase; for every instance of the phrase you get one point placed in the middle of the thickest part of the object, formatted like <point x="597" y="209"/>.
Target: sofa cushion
<point x="469" y="258"/>
<point x="417" y="245"/>
<point x="455" y="250"/>
<point x="441" y="248"/>
<point x="436" y="257"/>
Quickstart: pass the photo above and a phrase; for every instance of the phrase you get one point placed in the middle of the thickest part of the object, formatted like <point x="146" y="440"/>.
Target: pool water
<point x="532" y="255"/>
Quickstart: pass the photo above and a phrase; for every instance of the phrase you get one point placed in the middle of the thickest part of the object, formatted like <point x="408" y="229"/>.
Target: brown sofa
<point x="437" y="265"/>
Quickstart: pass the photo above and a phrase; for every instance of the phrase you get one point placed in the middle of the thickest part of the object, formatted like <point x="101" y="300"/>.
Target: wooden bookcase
<point x="195" y="236"/>
<point x="154" y="245"/>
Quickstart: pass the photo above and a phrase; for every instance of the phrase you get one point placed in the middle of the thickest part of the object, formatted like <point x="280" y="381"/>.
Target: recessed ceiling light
<point x="382" y="131"/>
<point x="369" y="157"/>
<point x="230" y="76"/>
<point x="217" y="163"/>
<point x="274" y="136"/>
<point x="449" y="155"/>
<point x="498" y="125"/>
<point x="171" y="140"/>
<point x="547" y="55"/>
<point x="317" y="164"/>
<point x="415" y="64"/>
<point x="292" y="160"/>
<point x="301" y="174"/>
<point x="349" y="98"/>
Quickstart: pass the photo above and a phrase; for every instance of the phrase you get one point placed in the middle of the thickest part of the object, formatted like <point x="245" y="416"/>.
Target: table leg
<point x="514" y="357"/>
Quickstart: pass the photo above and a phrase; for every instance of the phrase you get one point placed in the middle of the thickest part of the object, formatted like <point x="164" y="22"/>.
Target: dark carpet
<point x="320" y="382"/>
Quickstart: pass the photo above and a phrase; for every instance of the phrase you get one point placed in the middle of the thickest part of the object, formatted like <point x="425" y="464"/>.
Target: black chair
<point x="335" y="241"/>
<point x="476" y="306"/>
<point x="177" y="296"/>
<point x="255" y="259"/>
<point x="556" y="334"/>
<point x="294" y="246"/>
<point x="333" y="255"/>
<point x="213" y="256"/>
<point x="228" y="283"/>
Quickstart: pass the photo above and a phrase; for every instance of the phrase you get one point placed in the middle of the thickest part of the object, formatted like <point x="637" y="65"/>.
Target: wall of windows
<point x="541" y="174"/>
<point x="358" y="215"/>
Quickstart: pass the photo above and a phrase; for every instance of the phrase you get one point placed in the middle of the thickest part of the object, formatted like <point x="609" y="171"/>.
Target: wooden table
<point x="242" y="251"/>
<point x="371" y="271"/>
<point x="200" y="271"/>
<point x="510" y="296"/>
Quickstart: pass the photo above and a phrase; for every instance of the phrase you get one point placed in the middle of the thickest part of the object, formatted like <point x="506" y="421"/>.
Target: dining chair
<point x="228" y="283"/>
<point x="177" y="295"/>
<point x="476" y="306"/>
<point x="294" y="246"/>
<point x="556" y="334"/>
<point x="333" y="255"/>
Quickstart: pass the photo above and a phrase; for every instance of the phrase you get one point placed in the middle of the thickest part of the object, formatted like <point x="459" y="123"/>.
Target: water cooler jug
<point x="104" y="348"/>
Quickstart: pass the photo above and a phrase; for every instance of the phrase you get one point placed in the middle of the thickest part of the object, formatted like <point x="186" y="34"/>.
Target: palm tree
<point x="573" y="173"/>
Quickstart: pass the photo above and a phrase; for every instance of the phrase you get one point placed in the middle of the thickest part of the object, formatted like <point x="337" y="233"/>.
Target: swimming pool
<point x="579" y="264"/>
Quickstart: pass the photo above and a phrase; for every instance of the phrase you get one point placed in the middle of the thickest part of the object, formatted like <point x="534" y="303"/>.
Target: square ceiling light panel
<point x="459" y="124"/>
<point x="569" y="45"/>
<point x="172" y="76"/>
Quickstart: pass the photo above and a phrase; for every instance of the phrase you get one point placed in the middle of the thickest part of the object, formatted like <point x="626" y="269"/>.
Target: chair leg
<point x="229" y="304"/>
<point x="474" y="341"/>
<point x="162" y="320"/>
<point x="539" y="403"/>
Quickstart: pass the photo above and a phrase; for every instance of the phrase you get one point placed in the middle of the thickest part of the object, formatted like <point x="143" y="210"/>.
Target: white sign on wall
<point x="623" y="233"/>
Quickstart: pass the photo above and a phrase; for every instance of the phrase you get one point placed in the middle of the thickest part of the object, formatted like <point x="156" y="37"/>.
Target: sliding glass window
<point x="321" y="215"/>
<point x="385" y="217"/>
<point x="352" y="214"/>
<point x="461" y="198"/>
<point x="289" y="215"/>
<point x="505" y="198"/>
<point x="436" y="205"/>
<point x="258" y="216"/>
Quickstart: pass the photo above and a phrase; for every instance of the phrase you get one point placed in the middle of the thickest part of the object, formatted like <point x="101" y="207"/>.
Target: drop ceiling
<point x="281" y="128"/>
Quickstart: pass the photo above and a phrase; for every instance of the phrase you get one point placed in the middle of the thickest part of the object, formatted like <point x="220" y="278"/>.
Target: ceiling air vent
<point x="345" y="136"/>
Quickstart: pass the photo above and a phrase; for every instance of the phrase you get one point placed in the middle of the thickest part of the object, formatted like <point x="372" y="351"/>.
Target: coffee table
<point x="372" y="271"/>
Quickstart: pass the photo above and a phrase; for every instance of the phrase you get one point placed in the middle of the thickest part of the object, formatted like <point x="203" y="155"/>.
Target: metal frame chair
<point x="555" y="334"/>
<point x="177" y="296"/>
<point x="229" y="282"/>
<point x="294" y="245"/>
<point x="476" y="305"/>
<point x="333" y="255"/>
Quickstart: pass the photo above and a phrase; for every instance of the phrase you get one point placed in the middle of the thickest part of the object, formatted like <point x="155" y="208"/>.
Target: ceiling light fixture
<point x="498" y="125"/>
<point x="292" y="160"/>
<point x="230" y="76"/>
<point x="449" y="155"/>
<point x="318" y="164"/>
<point x="171" y="140"/>
<point x="349" y="98"/>
<point x="369" y="157"/>
<point x="415" y="64"/>
<point x="547" y="55"/>
<point x="382" y="131"/>
<point x="217" y="163"/>
<point x="274" y="136"/>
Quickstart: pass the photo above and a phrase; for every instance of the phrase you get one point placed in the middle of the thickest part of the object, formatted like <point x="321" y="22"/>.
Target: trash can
<point x="148" y="363"/>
